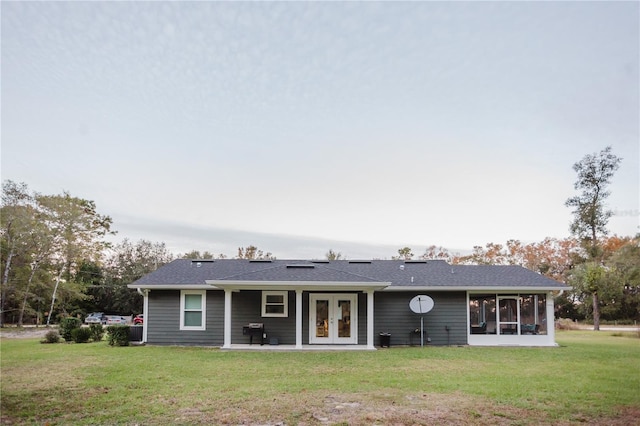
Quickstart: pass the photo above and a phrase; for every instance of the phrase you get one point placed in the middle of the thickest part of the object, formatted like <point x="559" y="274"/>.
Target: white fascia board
<point x="475" y="289"/>
<point x="297" y="285"/>
<point x="172" y="286"/>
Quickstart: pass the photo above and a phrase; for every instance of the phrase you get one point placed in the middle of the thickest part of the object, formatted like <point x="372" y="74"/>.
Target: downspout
<point x="145" y="312"/>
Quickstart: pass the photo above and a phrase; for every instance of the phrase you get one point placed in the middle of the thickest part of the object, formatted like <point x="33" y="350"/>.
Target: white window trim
<point x="285" y="298"/>
<point x="203" y="293"/>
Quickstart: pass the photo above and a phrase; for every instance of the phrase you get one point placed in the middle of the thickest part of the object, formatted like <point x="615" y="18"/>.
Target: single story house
<point x="303" y="303"/>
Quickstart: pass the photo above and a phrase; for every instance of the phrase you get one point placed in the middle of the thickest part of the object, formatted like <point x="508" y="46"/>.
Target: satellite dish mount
<point x="421" y="304"/>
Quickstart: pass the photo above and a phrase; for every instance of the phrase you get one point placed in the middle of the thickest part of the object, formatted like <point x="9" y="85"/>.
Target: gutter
<point x="351" y="286"/>
<point x="172" y="287"/>
<point x="473" y="289"/>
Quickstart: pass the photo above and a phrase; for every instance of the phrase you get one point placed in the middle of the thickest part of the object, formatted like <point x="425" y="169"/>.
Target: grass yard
<point x="592" y="378"/>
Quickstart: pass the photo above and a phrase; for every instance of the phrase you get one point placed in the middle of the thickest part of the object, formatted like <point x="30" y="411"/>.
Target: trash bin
<point x="385" y="340"/>
<point x="135" y="333"/>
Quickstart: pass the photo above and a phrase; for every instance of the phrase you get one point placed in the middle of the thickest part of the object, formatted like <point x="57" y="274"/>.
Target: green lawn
<point x="591" y="378"/>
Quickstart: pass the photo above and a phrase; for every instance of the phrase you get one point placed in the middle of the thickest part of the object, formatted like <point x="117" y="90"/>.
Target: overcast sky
<point x="300" y="127"/>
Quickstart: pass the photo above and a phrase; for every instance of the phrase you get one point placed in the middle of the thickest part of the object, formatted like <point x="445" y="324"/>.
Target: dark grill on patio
<point x="254" y="329"/>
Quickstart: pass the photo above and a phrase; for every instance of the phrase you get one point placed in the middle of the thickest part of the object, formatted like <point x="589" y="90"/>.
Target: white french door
<point x="333" y="318"/>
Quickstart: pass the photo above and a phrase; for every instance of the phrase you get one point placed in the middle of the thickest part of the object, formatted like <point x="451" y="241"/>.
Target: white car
<point x="96" y="318"/>
<point x="115" y="319"/>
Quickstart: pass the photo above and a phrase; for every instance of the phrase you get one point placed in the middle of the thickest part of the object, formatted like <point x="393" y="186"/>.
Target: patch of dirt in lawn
<point x="24" y="333"/>
<point x="382" y="409"/>
<point x="420" y="409"/>
<point x="627" y="416"/>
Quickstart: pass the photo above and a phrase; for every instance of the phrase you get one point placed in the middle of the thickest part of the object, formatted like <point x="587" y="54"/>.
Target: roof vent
<point x="260" y="261"/>
<point x="415" y="261"/>
<point x="360" y="261"/>
<point x="301" y="266"/>
<point x="402" y="267"/>
<point x="199" y="262"/>
<point x="320" y="261"/>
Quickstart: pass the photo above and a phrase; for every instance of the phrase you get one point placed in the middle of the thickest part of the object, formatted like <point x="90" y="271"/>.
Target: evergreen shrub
<point x="97" y="332"/>
<point x="52" y="336"/>
<point x="67" y="325"/>
<point x="81" y="335"/>
<point x="118" y="335"/>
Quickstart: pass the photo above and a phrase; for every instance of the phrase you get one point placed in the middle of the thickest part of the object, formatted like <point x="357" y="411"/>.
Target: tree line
<point x="616" y="278"/>
<point x="603" y="270"/>
<point x="56" y="260"/>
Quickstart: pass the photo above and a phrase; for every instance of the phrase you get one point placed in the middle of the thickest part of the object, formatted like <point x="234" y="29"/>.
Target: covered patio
<point x="294" y="348"/>
<point x="299" y="287"/>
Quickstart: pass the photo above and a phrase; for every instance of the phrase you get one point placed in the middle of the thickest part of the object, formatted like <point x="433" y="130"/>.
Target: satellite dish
<point x="421" y="304"/>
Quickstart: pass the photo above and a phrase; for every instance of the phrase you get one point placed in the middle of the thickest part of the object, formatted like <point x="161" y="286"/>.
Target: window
<point x="193" y="309"/>
<point x="515" y="314"/>
<point x="274" y="304"/>
<point x="482" y="313"/>
<point x="533" y="314"/>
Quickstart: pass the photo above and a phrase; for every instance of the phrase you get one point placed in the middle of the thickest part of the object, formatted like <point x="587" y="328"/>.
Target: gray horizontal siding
<point x="163" y="320"/>
<point x="362" y="318"/>
<point x="285" y="328"/>
<point x="392" y="315"/>
<point x="246" y="307"/>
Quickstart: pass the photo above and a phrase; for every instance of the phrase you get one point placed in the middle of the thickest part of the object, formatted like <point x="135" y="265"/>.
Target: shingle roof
<point x="432" y="273"/>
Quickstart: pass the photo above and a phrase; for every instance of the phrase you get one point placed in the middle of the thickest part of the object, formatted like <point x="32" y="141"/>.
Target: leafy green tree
<point x="590" y="218"/>
<point x="253" y="253"/>
<point x="17" y="214"/>
<point x="403" y="254"/>
<point x="40" y="243"/>
<point x="598" y="286"/>
<point x="91" y="277"/>
<point x="332" y="255"/>
<point x="127" y="263"/>
<point x="195" y="254"/>
<point x="626" y="263"/>
<point x="78" y="234"/>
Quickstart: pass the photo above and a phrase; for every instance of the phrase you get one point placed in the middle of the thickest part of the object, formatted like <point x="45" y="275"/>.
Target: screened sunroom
<point x="510" y="319"/>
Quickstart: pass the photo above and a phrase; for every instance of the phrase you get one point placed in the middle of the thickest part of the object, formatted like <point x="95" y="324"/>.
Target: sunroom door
<point x="508" y="315"/>
<point x="333" y="318"/>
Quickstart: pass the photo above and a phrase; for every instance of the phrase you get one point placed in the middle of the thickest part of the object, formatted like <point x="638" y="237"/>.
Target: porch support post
<point x="298" y="319"/>
<point x="551" y="321"/>
<point x="370" y="319"/>
<point x="145" y="312"/>
<point x="227" y="318"/>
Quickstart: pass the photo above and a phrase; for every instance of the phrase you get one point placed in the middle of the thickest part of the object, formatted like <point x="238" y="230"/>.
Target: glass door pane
<point x="322" y="318"/>
<point x="508" y="315"/>
<point x="344" y="318"/>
